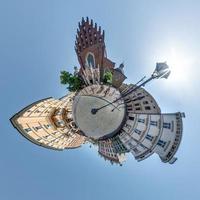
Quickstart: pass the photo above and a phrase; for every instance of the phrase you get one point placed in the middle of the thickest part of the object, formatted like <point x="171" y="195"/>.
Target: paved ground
<point x="104" y="123"/>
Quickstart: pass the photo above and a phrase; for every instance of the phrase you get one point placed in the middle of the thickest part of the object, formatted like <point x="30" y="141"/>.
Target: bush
<point x="73" y="82"/>
<point x="107" y="77"/>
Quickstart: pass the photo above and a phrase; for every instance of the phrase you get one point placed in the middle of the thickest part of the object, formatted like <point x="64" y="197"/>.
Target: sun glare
<point x="179" y="66"/>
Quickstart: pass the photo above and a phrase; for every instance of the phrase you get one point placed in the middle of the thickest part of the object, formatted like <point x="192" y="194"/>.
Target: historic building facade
<point x="118" y="117"/>
<point x="91" y="52"/>
<point x="48" y="123"/>
<point x="112" y="150"/>
<point x="140" y="101"/>
<point x="145" y="134"/>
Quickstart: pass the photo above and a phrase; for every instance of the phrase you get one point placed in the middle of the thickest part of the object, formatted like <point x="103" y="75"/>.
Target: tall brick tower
<point x="90" y="47"/>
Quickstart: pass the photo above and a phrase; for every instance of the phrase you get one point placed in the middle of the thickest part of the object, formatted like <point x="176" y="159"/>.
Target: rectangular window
<point x="145" y="102"/>
<point x="129" y="107"/>
<point x="128" y="126"/>
<point x="47" y="126"/>
<point x="153" y="123"/>
<point x="37" y="127"/>
<point x="27" y="129"/>
<point x="143" y="146"/>
<point x="161" y="143"/>
<point x="167" y="125"/>
<point x="141" y="120"/>
<point x="60" y="123"/>
<point x="128" y="101"/>
<point x="37" y="111"/>
<point x="147" y="108"/>
<point x="137" y="131"/>
<point x="149" y="137"/>
<point x="130" y="145"/>
<point x="131" y="118"/>
<point x="136" y="150"/>
<point x="46" y="136"/>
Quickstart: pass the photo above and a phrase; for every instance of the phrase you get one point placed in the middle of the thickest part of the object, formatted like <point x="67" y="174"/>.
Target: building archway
<point x="90" y="60"/>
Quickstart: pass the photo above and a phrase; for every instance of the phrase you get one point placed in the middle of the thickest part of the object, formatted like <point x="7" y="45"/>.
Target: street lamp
<point x="162" y="71"/>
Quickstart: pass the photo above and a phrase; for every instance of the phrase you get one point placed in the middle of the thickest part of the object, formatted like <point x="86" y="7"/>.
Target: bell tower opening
<point x="90" y="60"/>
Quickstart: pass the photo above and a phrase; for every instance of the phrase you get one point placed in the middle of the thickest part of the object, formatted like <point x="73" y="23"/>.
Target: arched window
<point x="90" y="60"/>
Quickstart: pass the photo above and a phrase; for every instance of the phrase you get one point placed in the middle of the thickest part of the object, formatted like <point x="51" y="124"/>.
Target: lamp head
<point x="162" y="70"/>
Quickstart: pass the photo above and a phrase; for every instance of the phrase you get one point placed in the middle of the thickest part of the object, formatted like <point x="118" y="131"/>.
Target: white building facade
<point x="145" y="134"/>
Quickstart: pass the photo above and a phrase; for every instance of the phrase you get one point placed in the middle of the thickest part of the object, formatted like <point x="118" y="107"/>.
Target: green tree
<point x="107" y="77"/>
<point x="73" y="82"/>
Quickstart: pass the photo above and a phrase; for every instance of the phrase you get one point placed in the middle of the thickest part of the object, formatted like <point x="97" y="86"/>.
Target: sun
<point x="179" y="64"/>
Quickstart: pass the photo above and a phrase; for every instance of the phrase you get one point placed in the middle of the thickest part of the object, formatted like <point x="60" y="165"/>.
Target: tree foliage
<point x="107" y="77"/>
<point x="73" y="82"/>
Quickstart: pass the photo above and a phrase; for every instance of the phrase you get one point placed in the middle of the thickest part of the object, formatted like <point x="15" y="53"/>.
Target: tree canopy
<point x="73" y="82"/>
<point x="107" y="77"/>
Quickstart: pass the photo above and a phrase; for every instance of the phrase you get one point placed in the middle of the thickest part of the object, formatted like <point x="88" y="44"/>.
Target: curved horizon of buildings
<point x="50" y="122"/>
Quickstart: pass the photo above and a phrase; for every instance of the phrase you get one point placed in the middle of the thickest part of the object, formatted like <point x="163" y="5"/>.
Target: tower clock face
<point x="95" y="114"/>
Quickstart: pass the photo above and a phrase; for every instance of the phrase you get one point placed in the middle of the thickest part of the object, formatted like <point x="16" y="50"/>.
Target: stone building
<point x="112" y="150"/>
<point x="91" y="52"/>
<point x="118" y="76"/>
<point x="91" y="75"/>
<point x="139" y="101"/>
<point x="145" y="134"/>
<point x="146" y="130"/>
<point x="48" y="123"/>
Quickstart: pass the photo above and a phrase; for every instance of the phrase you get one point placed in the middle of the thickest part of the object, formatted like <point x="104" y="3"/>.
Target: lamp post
<point x="161" y="71"/>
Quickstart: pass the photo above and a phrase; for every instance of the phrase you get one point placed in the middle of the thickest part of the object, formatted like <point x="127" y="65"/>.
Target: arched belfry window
<point x="90" y="60"/>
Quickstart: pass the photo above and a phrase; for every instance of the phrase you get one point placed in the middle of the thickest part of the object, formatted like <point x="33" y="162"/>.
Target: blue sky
<point x="37" y="41"/>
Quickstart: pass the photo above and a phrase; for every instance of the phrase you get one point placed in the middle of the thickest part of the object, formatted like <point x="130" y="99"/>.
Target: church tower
<point x="91" y="52"/>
